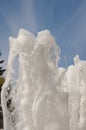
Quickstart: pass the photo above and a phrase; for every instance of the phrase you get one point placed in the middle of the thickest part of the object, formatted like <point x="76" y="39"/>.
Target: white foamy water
<point x="45" y="96"/>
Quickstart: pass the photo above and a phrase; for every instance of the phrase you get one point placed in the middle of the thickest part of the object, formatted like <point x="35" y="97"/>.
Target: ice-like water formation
<point x="45" y="96"/>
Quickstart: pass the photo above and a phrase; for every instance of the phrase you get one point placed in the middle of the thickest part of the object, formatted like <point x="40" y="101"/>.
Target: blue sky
<point x="66" y="19"/>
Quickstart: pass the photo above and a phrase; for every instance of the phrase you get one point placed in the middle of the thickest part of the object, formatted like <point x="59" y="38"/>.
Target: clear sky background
<point x="66" y="19"/>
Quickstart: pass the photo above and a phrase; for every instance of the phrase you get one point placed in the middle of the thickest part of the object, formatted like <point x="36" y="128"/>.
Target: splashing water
<point x="44" y="97"/>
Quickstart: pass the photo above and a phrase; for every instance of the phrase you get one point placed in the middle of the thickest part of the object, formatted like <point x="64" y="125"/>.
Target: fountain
<point x="45" y="96"/>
